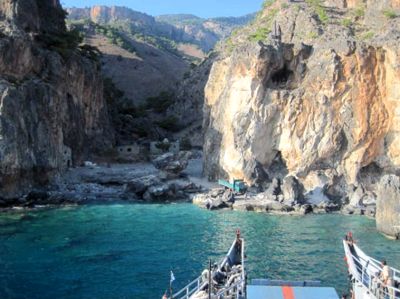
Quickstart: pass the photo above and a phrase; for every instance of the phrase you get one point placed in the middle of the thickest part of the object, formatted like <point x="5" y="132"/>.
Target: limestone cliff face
<point x="189" y="102"/>
<point x="388" y="206"/>
<point x="105" y="14"/>
<point x="322" y="104"/>
<point x="52" y="112"/>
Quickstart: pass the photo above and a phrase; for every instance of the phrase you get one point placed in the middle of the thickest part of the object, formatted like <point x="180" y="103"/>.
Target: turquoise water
<point x="127" y="251"/>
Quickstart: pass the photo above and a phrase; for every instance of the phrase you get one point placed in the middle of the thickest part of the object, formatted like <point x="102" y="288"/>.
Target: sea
<point x="129" y="250"/>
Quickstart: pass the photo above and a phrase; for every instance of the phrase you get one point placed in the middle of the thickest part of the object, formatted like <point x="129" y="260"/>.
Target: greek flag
<point x="172" y="277"/>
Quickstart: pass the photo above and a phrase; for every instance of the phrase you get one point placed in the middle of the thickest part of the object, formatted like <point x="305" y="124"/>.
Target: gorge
<point x="116" y="127"/>
<point x="302" y="102"/>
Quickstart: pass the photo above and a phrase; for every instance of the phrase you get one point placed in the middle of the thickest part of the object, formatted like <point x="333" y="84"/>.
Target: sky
<point x="201" y="8"/>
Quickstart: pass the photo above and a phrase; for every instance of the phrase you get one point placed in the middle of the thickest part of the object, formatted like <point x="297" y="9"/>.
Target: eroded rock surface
<point x="52" y="111"/>
<point x="318" y="102"/>
<point x="388" y="206"/>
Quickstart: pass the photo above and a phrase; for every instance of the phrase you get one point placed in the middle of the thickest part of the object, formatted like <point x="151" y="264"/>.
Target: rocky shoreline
<point x="288" y="197"/>
<point x="179" y="177"/>
<point x="161" y="181"/>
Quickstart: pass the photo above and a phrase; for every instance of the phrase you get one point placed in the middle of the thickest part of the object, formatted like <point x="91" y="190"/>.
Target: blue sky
<point x="201" y="8"/>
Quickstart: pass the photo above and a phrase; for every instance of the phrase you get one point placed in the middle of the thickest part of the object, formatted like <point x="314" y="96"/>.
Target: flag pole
<point x="209" y="281"/>
<point x="170" y="284"/>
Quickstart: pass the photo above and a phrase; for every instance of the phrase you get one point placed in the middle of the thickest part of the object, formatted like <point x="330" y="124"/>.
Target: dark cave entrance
<point x="281" y="77"/>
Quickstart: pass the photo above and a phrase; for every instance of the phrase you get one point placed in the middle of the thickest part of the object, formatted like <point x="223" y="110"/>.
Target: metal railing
<point x="366" y="271"/>
<point x="190" y="289"/>
<point x="237" y="289"/>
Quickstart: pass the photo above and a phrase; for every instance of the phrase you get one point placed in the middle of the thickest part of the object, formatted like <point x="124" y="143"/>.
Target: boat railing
<point x="367" y="273"/>
<point x="237" y="290"/>
<point x="189" y="289"/>
<point x="199" y="283"/>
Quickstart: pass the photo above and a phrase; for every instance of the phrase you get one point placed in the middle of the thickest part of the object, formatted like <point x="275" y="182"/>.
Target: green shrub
<point x="319" y="10"/>
<point x="323" y="16"/>
<point x="284" y="5"/>
<point x="312" y="35"/>
<point x="266" y="27"/>
<point x="230" y="46"/>
<point x="136" y="111"/>
<point x="346" y="22"/>
<point x="260" y="35"/>
<point x="359" y="11"/>
<point x="268" y="3"/>
<point x="90" y="52"/>
<point x="367" y="35"/>
<point x="170" y="123"/>
<point x="115" y="37"/>
<point x="160" y="103"/>
<point x="389" y="13"/>
<point x="65" y="43"/>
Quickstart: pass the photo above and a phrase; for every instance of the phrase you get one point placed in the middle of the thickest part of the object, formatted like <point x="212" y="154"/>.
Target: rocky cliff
<point x="52" y="112"/>
<point x="388" y="206"/>
<point x="310" y="89"/>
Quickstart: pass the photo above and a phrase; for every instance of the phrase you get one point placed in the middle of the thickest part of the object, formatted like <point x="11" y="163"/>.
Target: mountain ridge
<point x="184" y="28"/>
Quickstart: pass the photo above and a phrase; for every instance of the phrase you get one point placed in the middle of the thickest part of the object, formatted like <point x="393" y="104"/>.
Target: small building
<point x="128" y="152"/>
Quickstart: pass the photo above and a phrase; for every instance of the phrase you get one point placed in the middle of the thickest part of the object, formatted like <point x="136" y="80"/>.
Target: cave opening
<point x="278" y="168"/>
<point x="281" y="78"/>
<point x="370" y="174"/>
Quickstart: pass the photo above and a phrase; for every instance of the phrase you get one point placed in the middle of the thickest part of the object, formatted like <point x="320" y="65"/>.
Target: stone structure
<point x="129" y="152"/>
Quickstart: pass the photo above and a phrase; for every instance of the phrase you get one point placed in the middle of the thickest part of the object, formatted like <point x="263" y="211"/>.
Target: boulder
<point x="369" y="199"/>
<point x="305" y="209"/>
<point x="172" y="163"/>
<point x="216" y="204"/>
<point x="356" y="197"/>
<point x="228" y="196"/>
<point x="274" y="189"/>
<point x="157" y="193"/>
<point x="162" y="161"/>
<point x="292" y="190"/>
<point x="216" y="192"/>
<point x="37" y="196"/>
<point x="388" y="205"/>
<point x="274" y="206"/>
<point x="140" y="185"/>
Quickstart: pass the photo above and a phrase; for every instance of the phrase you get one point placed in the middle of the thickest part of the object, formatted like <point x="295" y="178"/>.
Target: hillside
<point x="138" y="67"/>
<point x="179" y="28"/>
<point x="143" y="55"/>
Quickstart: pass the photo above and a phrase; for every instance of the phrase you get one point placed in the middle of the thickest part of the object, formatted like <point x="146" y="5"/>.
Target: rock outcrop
<point x="315" y="97"/>
<point x="172" y="164"/>
<point x="52" y="112"/>
<point x="189" y="102"/>
<point x="388" y="206"/>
